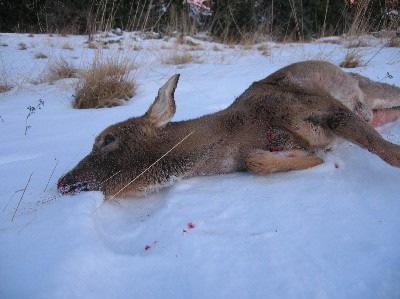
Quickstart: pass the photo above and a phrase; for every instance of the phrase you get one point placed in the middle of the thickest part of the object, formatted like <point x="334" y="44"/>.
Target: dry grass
<point x="30" y="35"/>
<point x="195" y="48"/>
<point x="22" y="46"/>
<point x="394" y="42"/>
<point x="351" y="60"/>
<point x="247" y="46"/>
<point x="165" y="47"/>
<point x="40" y="55"/>
<point x="104" y="84"/>
<point x="216" y="48"/>
<point x="360" y="24"/>
<point x="264" y="50"/>
<point x="136" y="47"/>
<point x="92" y="45"/>
<point x="67" y="46"/>
<point x="176" y="58"/>
<point x="357" y="44"/>
<point x="186" y="41"/>
<point x="60" y="69"/>
<point x="4" y="87"/>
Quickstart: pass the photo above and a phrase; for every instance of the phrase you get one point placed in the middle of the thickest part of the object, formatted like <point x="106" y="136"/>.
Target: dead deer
<point x="277" y="124"/>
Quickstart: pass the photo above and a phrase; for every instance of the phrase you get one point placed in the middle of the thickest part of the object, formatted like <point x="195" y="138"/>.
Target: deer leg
<point x="378" y="95"/>
<point x="265" y="162"/>
<point x="346" y="124"/>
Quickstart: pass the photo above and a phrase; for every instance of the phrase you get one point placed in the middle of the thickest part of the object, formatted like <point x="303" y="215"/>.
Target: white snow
<point x="328" y="232"/>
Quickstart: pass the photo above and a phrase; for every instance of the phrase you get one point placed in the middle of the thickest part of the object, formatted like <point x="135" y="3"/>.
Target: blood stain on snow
<point x="147" y="247"/>
<point x="189" y="226"/>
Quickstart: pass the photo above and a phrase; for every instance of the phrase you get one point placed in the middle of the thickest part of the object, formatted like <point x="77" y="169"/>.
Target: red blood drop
<point x="190" y="225"/>
<point x="147" y="247"/>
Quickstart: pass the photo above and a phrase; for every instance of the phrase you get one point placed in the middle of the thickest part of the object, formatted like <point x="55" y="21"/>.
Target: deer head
<point x="122" y="152"/>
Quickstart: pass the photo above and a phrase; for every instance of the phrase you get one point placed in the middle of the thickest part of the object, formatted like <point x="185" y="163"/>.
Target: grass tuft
<point x="176" y="58"/>
<point x="357" y="43"/>
<point x="60" y="69"/>
<point x="394" y="42"/>
<point x="67" y="46"/>
<point x="4" y="87"/>
<point x="264" y="49"/>
<point x="40" y="55"/>
<point x="216" y="48"/>
<point x="352" y="60"/>
<point x="104" y="84"/>
<point x="92" y="45"/>
<point x="22" y="46"/>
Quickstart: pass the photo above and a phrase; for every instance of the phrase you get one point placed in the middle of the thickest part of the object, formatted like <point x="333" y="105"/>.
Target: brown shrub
<point x="351" y="60"/>
<point x="104" y="84"/>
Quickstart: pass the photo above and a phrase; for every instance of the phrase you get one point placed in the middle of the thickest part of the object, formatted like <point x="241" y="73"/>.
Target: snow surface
<point x="328" y="232"/>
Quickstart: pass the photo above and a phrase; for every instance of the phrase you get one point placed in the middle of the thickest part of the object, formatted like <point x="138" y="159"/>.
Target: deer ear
<point x="163" y="107"/>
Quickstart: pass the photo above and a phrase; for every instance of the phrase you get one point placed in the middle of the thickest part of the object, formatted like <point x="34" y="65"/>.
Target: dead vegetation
<point x="181" y="40"/>
<point x="60" y="69"/>
<point x="4" y="87"/>
<point x="351" y="60"/>
<point x="394" y="42"/>
<point x="136" y="47"/>
<point x="22" y="46"/>
<point x="335" y="41"/>
<point x="40" y="55"/>
<point x="264" y="49"/>
<point x="67" y="46"/>
<point x="216" y="48"/>
<point x="357" y="43"/>
<point x="177" y="58"/>
<point x="105" y="83"/>
<point x="92" y="45"/>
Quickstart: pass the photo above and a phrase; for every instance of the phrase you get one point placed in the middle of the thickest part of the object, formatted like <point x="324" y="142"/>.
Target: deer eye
<point x="108" y="139"/>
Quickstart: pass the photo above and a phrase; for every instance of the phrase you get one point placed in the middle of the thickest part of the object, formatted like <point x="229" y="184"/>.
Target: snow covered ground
<point x="327" y="232"/>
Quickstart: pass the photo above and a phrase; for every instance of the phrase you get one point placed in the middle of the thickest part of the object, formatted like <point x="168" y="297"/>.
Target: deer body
<point x="277" y="124"/>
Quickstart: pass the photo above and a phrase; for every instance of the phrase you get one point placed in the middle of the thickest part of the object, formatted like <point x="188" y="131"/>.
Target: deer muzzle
<point x="68" y="184"/>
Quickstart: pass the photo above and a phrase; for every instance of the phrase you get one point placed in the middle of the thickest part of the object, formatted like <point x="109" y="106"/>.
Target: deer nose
<point x="63" y="185"/>
<point x="67" y="184"/>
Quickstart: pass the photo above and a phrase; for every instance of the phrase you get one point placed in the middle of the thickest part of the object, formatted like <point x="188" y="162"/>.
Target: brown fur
<point x="295" y="111"/>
